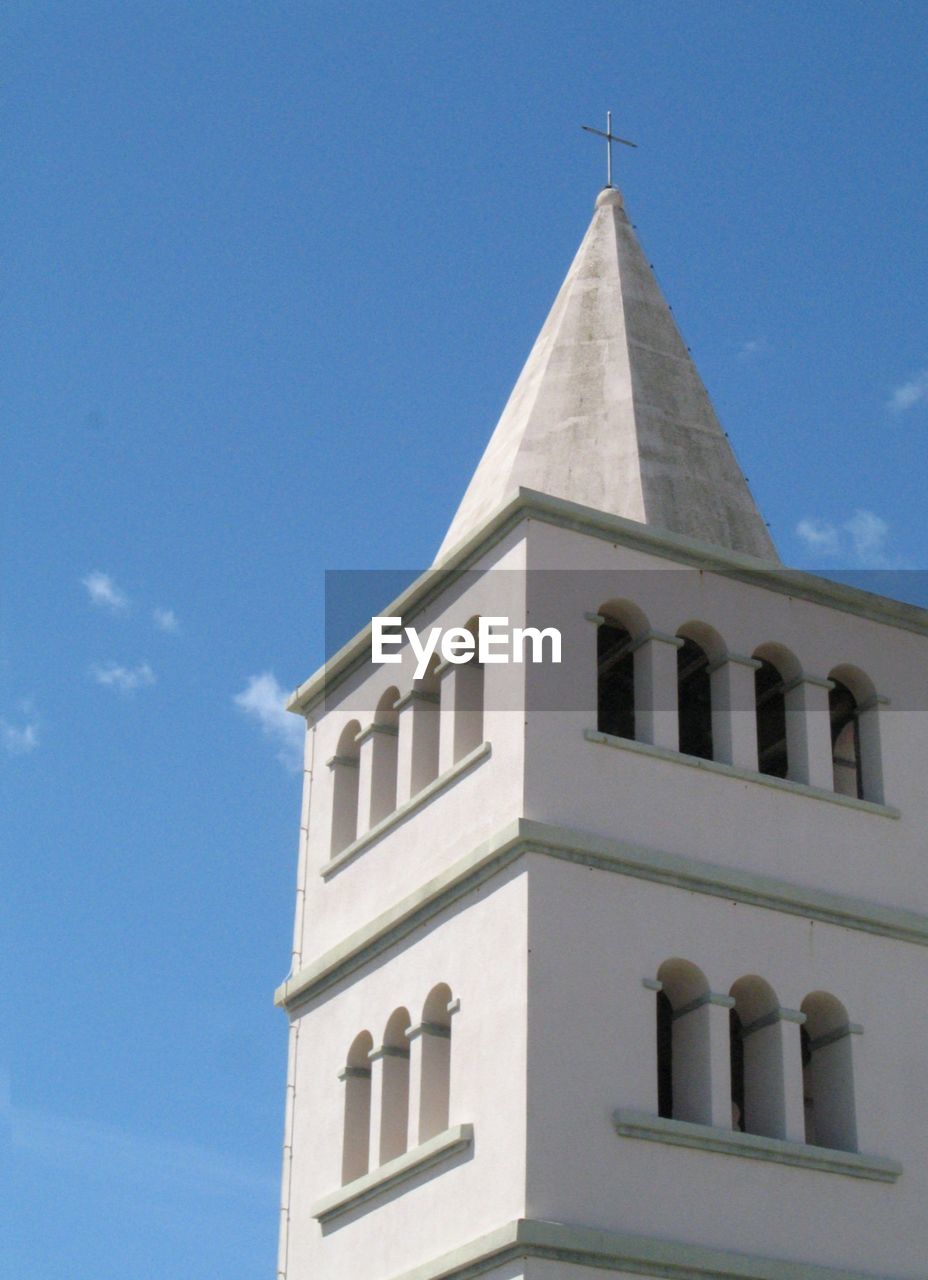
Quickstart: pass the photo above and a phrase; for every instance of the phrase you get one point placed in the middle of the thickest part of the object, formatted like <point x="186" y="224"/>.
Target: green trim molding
<point x="527" y="504"/>
<point x="617" y="1251"/>
<point x="525" y="836"/>
<point x="743" y="775"/>
<point x="753" y="1146"/>
<point x="353" y="1195"/>
<point x="462" y="766"/>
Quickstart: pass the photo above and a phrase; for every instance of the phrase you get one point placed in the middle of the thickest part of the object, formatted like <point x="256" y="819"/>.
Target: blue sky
<point x="270" y="273"/>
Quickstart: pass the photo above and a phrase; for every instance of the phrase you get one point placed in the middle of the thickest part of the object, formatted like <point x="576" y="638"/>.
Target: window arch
<point x="356" y="1076"/>
<point x="468" y="700"/>
<point x="394" y="1101"/>
<point x="855" y="734"/>
<point x="344" y="765"/>
<point x="683" y="1057"/>
<point x="694" y="688"/>
<point x="384" y="757"/>
<point x="828" y="1073"/>
<point x="757" y="1088"/>
<point x="435" y="1077"/>
<point x="777" y="668"/>
<point x="426" y="728"/>
<point x="623" y="624"/>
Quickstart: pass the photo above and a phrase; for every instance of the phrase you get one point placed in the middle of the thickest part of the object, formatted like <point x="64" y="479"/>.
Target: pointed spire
<point x="609" y="410"/>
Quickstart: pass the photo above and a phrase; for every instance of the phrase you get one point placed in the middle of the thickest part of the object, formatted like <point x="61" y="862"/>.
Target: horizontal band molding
<point x="736" y="771"/>
<point x="753" y="1146"/>
<point x="618" y="1251"/>
<point x="457" y="770"/>
<point x="525" y="836"/>
<point x="527" y="504"/>
<point x="411" y="1163"/>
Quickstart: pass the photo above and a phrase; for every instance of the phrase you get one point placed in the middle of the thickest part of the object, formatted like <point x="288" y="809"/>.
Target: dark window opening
<point x="664" y="1057"/>
<point x="616" y="690"/>
<point x="736" y="1043"/>
<point x="694" y="700"/>
<point x="772" y="757"/>
<point x="845" y="741"/>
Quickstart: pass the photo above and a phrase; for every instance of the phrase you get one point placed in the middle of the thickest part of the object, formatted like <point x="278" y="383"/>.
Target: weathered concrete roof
<point x="609" y="410"/>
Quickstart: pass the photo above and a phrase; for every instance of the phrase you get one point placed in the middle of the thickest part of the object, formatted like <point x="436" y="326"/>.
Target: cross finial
<point x="610" y="138"/>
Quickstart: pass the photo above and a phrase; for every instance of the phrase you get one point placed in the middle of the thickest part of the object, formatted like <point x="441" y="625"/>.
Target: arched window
<point x="694" y="699"/>
<point x="855" y="734"/>
<point x="426" y="729"/>
<point x="435" y="1087"/>
<point x="394" y="1103"/>
<point x="828" y="1073"/>
<point x="357" y="1125"/>
<point x="683" y="1058"/>
<point x="777" y="668"/>
<point x="344" y="766"/>
<point x="845" y="741"/>
<point x="384" y="757"/>
<point x="468" y="703"/>
<point x="617" y="636"/>
<point x="756" y="1059"/>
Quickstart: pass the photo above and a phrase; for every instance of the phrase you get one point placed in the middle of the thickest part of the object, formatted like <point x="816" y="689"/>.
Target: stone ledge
<point x="524" y="836"/>
<point x="358" y="1192"/>
<point x="743" y="775"/>
<point x="621" y="1252"/>
<point x="422" y="797"/>
<point x="681" y="1133"/>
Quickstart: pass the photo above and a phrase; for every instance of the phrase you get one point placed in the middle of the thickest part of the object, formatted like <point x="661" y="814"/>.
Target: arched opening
<point x="756" y="1059"/>
<point x="664" y="1056"/>
<point x="425" y="729"/>
<point x="356" y="1077"/>
<point x="855" y="735"/>
<point x="384" y="757"/>
<point x="777" y="668"/>
<point x="394" y="1105"/>
<point x="345" y="775"/>
<point x="468" y="701"/>
<point x="435" y="1086"/>
<point x="622" y="627"/>
<point x="828" y="1073"/>
<point x="845" y="740"/>
<point x="694" y="699"/>
<point x="683" y="1055"/>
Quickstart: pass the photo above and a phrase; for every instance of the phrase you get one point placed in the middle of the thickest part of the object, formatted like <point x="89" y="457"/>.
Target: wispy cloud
<point x="820" y="537"/>
<point x="753" y="348"/>
<point x="123" y="679"/>
<point x="262" y="700"/>
<point x="19" y="739"/>
<point x="112" y="1154"/>
<point x="909" y="393"/>
<point x="166" y="620"/>
<point x="863" y="540"/>
<point x="104" y="592"/>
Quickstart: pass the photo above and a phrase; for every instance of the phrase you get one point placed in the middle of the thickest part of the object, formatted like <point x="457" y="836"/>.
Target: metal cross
<point x="610" y="138"/>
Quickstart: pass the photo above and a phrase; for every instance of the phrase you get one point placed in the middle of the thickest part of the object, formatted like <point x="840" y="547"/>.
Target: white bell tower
<point x="613" y="966"/>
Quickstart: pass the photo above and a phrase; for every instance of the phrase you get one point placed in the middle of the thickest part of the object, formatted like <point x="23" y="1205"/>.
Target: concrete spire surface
<point x="610" y="412"/>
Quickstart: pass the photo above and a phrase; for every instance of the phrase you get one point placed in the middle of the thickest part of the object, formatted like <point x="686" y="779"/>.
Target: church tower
<point x="612" y="966"/>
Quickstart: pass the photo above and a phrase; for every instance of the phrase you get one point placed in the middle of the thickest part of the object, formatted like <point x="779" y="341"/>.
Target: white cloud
<point x="19" y="740"/>
<point x="752" y="348"/>
<point x="166" y="620"/>
<point x="123" y="679"/>
<point x="820" y="536"/>
<point x="860" y="541"/>
<point x="909" y="393"/>
<point x="104" y="592"/>
<point x="262" y="700"/>
<point x="868" y="533"/>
